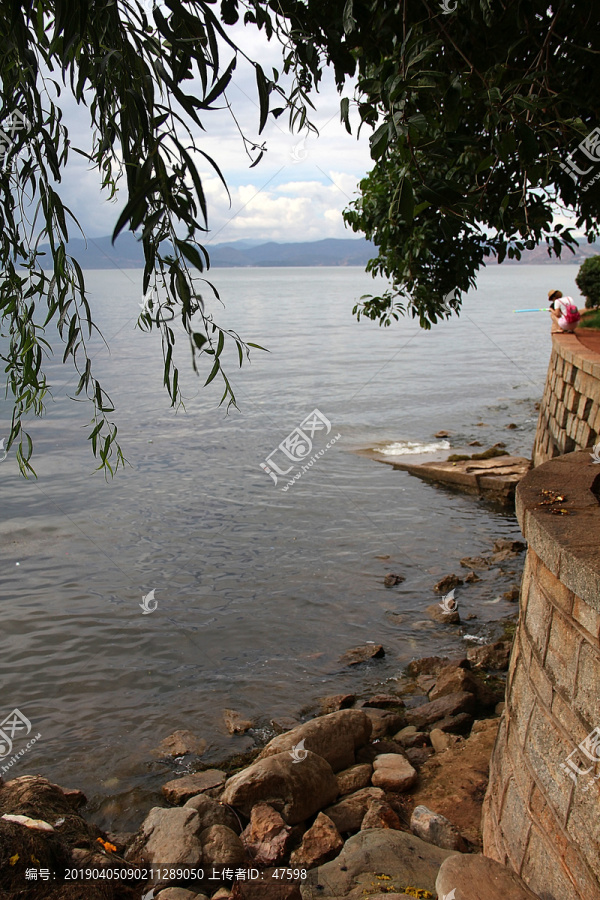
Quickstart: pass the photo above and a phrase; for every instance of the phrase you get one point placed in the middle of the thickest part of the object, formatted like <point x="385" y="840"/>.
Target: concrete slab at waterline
<point x="495" y="478"/>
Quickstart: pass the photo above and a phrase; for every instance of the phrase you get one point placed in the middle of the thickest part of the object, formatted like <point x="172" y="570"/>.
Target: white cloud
<point x="298" y="190"/>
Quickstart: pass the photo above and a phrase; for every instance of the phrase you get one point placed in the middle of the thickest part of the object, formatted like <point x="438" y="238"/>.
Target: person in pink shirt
<point x="564" y="313"/>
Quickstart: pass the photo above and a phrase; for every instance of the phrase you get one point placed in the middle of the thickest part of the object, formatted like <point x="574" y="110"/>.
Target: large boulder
<point x="168" y="837"/>
<point x="295" y="789"/>
<point x="377" y="857"/>
<point x="335" y="737"/>
<point x="320" y="843"/>
<point x="449" y="705"/>
<point x="472" y="877"/>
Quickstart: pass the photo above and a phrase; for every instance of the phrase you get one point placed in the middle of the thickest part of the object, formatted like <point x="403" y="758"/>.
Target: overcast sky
<point x="296" y="193"/>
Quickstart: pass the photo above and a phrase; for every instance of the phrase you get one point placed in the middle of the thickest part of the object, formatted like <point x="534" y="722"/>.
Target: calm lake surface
<point x="259" y="591"/>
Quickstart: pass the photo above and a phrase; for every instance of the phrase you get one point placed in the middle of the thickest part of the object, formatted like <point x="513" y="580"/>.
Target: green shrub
<point x="588" y="281"/>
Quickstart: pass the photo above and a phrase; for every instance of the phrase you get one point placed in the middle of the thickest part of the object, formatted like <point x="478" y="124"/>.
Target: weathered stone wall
<point x="570" y="408"/>
<point x="538" y="819"/>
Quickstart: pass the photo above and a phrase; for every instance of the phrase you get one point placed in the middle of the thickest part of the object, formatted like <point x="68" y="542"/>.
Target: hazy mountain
<point x="99" y="253"/>
<point x="539" y="256"/>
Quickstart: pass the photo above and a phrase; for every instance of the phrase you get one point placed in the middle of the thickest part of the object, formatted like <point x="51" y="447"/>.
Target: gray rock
<point x="348" y="814"/>
<point x="213" y="812"/>
<point x="296" y="790"/>
<point x="169" y="837"/>
<point x="436" y="829"/>
<point x="473" y="877"/>
<point x="221" y="847"/>
<point x="406" y="859"/>
<point x="334" y="737"/>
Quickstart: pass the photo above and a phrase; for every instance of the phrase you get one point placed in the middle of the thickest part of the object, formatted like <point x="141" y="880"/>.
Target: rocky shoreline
<point x="366" y="796"/>
<point x="380" y="797"/>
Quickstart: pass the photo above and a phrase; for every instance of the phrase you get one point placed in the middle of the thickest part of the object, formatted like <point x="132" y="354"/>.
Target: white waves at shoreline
<point x="405" y="448"/>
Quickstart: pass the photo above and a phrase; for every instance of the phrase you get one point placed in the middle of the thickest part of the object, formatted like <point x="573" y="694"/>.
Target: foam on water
<point x="405" y="448"/>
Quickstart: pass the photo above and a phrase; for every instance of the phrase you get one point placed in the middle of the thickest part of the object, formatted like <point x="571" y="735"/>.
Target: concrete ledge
<point x="568" y="545"/>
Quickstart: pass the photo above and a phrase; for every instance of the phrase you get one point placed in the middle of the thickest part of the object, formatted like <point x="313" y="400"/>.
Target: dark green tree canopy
<point x="483" y="121"/>
<point x="478" y="115"/>
<point x="588" y="281"/>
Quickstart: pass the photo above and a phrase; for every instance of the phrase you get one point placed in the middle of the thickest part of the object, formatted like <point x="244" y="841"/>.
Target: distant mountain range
<point x="99" y="253"/>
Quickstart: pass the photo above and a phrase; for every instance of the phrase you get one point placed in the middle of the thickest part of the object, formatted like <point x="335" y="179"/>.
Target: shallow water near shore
<point x="258" y="591"/>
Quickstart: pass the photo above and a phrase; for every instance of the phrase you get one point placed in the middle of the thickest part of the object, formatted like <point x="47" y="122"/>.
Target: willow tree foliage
<point x="147" y="82"/>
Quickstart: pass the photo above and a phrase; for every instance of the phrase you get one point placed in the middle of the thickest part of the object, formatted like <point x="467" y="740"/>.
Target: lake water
<point x="258" y="590"/>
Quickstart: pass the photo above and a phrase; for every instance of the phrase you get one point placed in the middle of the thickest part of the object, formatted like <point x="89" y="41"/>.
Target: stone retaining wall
<point x="570" y="408"/>
<point x="541" y="809"/>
